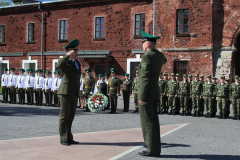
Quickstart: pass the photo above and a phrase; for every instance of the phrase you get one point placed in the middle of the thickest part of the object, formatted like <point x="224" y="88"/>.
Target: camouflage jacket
<point x="214" y="89"/>
<point x="134" y="85"/>
<point x="162" y="86"/>
<point x="208" y="89"/>
<point x="196" y="87"/>
<point x="222" y="90"/>
<point x="127" y="86"/>
<point x="234" y="91"/>
<point x="172" y="88"/>
<point x="184" y="88"/>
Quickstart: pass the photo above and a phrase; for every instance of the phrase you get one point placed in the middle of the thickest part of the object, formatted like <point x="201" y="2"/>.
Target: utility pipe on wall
<point x="39" y="7"/>
<point x="153" y="17"/>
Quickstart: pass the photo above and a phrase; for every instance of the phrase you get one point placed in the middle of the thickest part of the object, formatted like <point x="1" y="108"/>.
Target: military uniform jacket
<point x="114" y="86"/>
<point x="196" y="87"/>
<point x="234" y="91"/>
<point x="127" y="86"/>
<point x="21" y="81"/>
<point x="208" y="89"/>
<point x="48" y="83"/>
<point x="222" y="90"/>
<point x="103" y="88"/>
<point x="5" y="79"/>
<point x="148" y="74"/>
<point x="214" y="90"/>
<point x="39" y="82"/>
<point x="56" y="84"/>
<point x="70" y="83"/>
<point x="30" y="82"/>
<point x="88" y="84"/>
<point x="184" y="88"/>
<point x="172" y="87"/>
<point x="162" y="86"/>
<point x="134" y="85"/>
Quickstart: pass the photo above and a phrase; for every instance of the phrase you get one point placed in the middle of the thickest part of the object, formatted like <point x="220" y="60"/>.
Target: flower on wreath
<point x="97" y="102"/>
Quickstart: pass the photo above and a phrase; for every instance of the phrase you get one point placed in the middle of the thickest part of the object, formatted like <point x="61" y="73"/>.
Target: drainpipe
<point x="39" y="7"/>
<point x="153" y="17"/>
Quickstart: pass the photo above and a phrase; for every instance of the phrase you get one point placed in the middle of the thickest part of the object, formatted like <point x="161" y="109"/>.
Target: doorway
<point x="99" y="69"/>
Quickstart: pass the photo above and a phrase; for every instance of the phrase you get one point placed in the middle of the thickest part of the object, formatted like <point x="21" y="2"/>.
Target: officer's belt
<point x="113" y="87"/>
<point x="88" y="87"/>
<point x="29" y="87"/>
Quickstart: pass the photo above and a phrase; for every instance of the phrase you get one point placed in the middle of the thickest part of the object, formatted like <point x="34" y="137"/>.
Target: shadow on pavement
<point x="170" y="145"/>
<point x="203" y="156"/>
<point x="115" y="144"/>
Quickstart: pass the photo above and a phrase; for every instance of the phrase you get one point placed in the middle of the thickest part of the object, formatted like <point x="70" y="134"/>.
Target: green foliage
<point x="4" y="3"/>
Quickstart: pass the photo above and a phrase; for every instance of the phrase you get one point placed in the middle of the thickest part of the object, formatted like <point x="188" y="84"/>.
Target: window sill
<point x="30" y="42"/>
<point x="135" y="37"/>
<point x="182" y="35"/>
<point x="62" y="40"/>
<point x="2" y="44"/>
<point x="99" y="39"/>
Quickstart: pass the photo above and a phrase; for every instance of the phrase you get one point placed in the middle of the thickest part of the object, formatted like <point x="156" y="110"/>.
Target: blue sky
<point x="38" y="0"/>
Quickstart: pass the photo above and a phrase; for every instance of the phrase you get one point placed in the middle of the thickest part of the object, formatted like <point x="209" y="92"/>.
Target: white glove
<point x="83" y="92"/>
<point x="91" y="92"/>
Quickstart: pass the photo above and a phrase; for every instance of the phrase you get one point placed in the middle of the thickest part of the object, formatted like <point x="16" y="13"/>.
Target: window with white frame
<point x="99" y="27"/>
<point x="63" y="29"/>
<point x="31" y="32"/>
<point x="139" y="24"/>
<point x="2" y="34"/>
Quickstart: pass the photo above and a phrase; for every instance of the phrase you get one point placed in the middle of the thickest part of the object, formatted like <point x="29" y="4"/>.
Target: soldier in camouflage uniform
<point x="162" y="86"/>
<point x="195" y="92"/>
<point x="172" y="89"/>
<point x="135" y="92"/>
<point x="165" y="100"/>
<point x="201" y="106"/>
<point x="190" y="98"/>
<point x="214" y="101"/>
<point x="228" y="101"/>
<point x="183" y="93"/>
<point x="234" y="96"/>
<point x="222" y="91"/>
<point x="208" y="88"/>
<point x="178" y="98"/>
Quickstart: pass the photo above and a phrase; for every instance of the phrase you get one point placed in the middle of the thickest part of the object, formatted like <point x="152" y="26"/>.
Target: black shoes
<point x="136" y="111"/>
<point x="73" y="142"/>
<point x="146" y="154"/>
<point x="220" y="116"/>
<point x="194" y="114"/>
<point x="234" y="118"/>
<point x="65" y="143"/>
<point x="111" y="112"/>
<point x="207" y="115"/>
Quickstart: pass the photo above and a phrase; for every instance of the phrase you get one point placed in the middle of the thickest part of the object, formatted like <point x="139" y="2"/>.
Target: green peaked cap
<point x="106" y="75"/>
<point x="5" y="69"/>
<point x="148" y="37"/>
<point x="99" y="75"/>
<point x="88" y="70"/>
<point x="56" y="72"/>
<point x="47" y="72"/>
<point x="113" y="70"/>
<point x="12" y="69"/>
<point x="39" y="70"/>
<point x="102" y="77"/>
<point x="73" y="45"/>
<point x="30" y="70"/>
<point x="126" y="74"/>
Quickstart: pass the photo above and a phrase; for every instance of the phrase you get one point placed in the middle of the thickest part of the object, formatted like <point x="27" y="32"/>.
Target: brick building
<point x="197" y="36"/>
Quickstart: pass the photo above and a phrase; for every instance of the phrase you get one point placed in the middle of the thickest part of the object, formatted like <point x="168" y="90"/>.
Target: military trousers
<point x="86" y="100"/>
<point x="195" y="102"/>
<point x="136" y="100"/>
<point x="208" y="104"/>
<point x="21" y="95"/>
<point x="172" y="102"/>
<point x="5" y="94"/>
<point x="201" y="105"/>
<point x="12" y="94"/>
<point x="126" y="98"/>
<point x="228" y="103"/>
<point x="56" y="99"/>
<point x="113" y="101"/>
<point x="30" y="96"/>
<point x="161" y="101"/>
<point x="165" y="103"/>
<point x="184" y="102"/>
<point x="39" y="96"/>
<point x="48" y="96"/>
<point x="66" y="116"/>
<point x="214" y="104"/>
<point x="178" y="104"/>
<point x="236" y="106"/>
<point x="150" y="126"/>
<point x="222" y="102"/>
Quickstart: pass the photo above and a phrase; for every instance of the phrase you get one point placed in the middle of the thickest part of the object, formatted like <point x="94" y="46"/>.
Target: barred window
<point x="63" y="29"/>
<point x="99" y="27"/>
<point x="31" y="32"/>
<point x="183" y="21"/>
<point x="139" y="24"/>
<point x="2" y="34"/>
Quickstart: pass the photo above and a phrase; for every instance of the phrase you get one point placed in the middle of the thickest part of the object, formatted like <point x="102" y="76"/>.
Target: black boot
<point x="207" y="115"/>
<point x="210" y="115"/>
<point x="194" y="114"/>
<point x="220" y="116"/>
<point x="169" y="113"/>
<point x="224" y="115"/>
<point x="184" y="113"/>
<point x="161" y="111"/>
<point x="238" y="117"/>
<point x="197" y="113"/>
<point x="174" y="112"/>
<point x="235" y="117"/>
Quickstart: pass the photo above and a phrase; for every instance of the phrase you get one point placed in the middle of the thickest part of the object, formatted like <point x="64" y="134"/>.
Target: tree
<point x="4" y="3"/>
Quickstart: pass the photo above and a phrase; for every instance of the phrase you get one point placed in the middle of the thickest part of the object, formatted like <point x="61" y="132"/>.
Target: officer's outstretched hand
<point x="70" y="52"/>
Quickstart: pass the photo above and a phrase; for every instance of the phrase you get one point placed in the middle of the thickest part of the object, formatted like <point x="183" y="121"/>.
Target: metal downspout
<point x="153" y="17"/>
<point x="39" y="7"/>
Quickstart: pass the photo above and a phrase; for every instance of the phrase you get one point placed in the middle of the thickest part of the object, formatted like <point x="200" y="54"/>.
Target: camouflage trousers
<point x="161" y="102"/>
<point x="184" y="102"/>
<point x="195" y="102"/>
<point x="222" y="102"/>
<point x="135" y="100"/>
<point x="236" y="106"/>
<point x="172" y="102"/>
<point x="208" y="104"/>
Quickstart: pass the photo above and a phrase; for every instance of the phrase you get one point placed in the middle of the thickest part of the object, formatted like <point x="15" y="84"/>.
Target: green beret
<point x="172" y="74"/>
<point x="73" y="45"/>
<point x="126" y="74"/>
<point x="196" y="75"/>
<point x="88" y="70"/>
<point x="39" y="70"/>
<point x="48" y="72"/>
<point x="21" y="70"/>
<point x="99" y="75"/>
<point x="208" y="76"/>
<point x="236" y="77"/>
<point x="222" y="77"/>
<point x="148" y="37"/>
<point x="201" y="76"/>
<point x="113" y="70"/>
<point x="5" y="69"/>
<point x="83" y="74"/>
<point x="12" y="69"/>
<point x="36" y="70"/>
<point x="106" y="75"/>
<point x="184" y="75"/>
<point x="190" y="76"/>
<point x="102" y="77"/>
<point x="177" y="74"/>
<point x="56" y="72"/>
<point x="165" y="74"/>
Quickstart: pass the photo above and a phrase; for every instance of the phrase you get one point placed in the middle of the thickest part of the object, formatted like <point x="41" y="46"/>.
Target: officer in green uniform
<point x="184" y="93"/>
<point x="4" y="84"/>
<point x="162" y="89"/>
<point x="234" y="96"/>
<point x="88" y="86"/>
<point x="149" y="94"/>
<point x="106" y="81"/>
<point x="190" y="98"/>
<point x="195" y="92"/>
<point x="178" y="98"/>
<point x="29" y="83"/>
<point x="228" y="100"/>
<point x="68" y="91"/>
<point x="172" y="91"/>
<point x="222" y="91"/>
<point x="135" y="92"/>
<point x="208" y="89"/>
<point x="113" y="90"/>
<point x="127" y="90"/>
<point x="165" y="100"/>
<point x="201" y="106"/>
<point x="214" y="101"/>
<point x="12" y="84"/>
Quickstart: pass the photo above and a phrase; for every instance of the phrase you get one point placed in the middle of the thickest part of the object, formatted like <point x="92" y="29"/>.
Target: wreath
<point x="97" y="102"/>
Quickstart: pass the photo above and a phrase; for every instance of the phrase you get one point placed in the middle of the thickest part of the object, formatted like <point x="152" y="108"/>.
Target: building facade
<point x="197" y="36"/>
